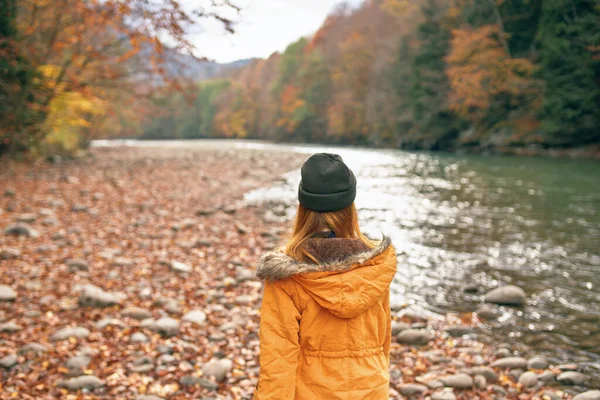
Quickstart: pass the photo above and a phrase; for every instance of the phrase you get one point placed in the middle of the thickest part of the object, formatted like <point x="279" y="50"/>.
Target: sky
<point x="264" y="26"/>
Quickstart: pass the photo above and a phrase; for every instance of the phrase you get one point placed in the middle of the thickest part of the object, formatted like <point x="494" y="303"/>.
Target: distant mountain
<point x="189" y="67"/>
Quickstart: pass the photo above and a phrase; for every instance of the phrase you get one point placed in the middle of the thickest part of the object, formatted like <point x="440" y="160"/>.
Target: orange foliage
<point x="479" y="69"/>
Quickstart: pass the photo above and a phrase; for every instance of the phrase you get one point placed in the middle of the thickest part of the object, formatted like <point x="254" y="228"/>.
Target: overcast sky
<point x="265" y="26"/>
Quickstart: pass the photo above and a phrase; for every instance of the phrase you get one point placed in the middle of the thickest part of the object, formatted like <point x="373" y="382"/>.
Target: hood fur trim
<point x="276" y="265"/>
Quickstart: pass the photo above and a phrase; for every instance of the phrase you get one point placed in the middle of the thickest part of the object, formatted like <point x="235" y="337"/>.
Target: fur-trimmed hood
<point x="349" y="278"/>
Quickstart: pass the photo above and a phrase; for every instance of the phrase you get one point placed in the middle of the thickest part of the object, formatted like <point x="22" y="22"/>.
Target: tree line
<point x="432" y="74"/>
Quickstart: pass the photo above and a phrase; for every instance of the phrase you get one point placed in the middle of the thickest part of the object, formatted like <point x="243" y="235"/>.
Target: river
<point x="474" y="221"/>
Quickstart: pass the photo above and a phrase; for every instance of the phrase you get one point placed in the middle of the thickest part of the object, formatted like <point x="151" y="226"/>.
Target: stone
<point x="568" y="367"/>
<point x="244" y="275"/>
<point x="77" y="264"/>
<point x="89" y="382"/>
<point x="510" y="363"/>
<point x="9" y="192"/>
<point x="548" y="395"/>
<point x="122" y="262"/>
<point x="149" y="397"/>
<point x="480" y="382"/>
<point x="166" y="359"/>
<point x="142" y="369"/>
<point x="412" y="389"/>
<point x="7" y="293"/>
<point x="487" y="372"/>
<point x="195" y="316"/>
<point x="589" y="395"/>
<point x="499" y="390"/>
<point x="166" y="327"/>
<point x="503" y="353"/>
<point x="68" y="332"/>
<point x="414" y="337"/>
<point x="21" y="229"/>
<point x="33" y="347"/>
<point x="528" y="379"/>
<point x="458" y="381"/>
<point x="398" y="326"/>
<point x="487" y="311"/>
<point x="537" y="363"/>
<point x="572" y="378"/>
<point x="137" y="313"/>
<point x="458" y="330"/>
<point x="78" y="362"/>
<point x="9" y="253"/>
<point x="139" y="337"/>
<point x="507" y="295"/>
<point x="104" y="322"/>
<point x="78" y="207"/>
<point x="26" y="217"/>
<point x="217" y="368"/>
<point x="444" y="395"/>
<point x="10" y="327"/>
<point x="93" y="296"/>
<point x="244" y="299"/>
<point x="8" y="361"/>
<point x="546" y="376"/>
<point x="177" y="266"/>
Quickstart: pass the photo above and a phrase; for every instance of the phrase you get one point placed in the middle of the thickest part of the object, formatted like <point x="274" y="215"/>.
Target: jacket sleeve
<point x="388" y="330"/>
<point x="279" y="346"/>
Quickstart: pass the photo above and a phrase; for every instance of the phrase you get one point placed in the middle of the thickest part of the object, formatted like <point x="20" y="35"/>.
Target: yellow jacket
<point x="325" y="329"/>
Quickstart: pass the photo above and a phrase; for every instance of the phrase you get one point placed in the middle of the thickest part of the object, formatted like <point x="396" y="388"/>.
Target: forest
<point x="434" y="74"/>
<point x="437" y="74"/>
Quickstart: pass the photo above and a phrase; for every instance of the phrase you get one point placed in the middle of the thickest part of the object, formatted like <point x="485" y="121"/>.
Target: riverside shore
<point x="129" y="274"/>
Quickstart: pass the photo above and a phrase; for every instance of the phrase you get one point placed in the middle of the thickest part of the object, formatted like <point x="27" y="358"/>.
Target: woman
<point x="325" y="325"/>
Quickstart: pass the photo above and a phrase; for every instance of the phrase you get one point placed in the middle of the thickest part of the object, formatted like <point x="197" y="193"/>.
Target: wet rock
<point x="65" y="333"/>
<point x="412" y="389"/>
<point x="217" y="368"/>
<point x="33" y="347"/>
<point x="93" y="296"/>
<point x="458" y="330"/>
<point x="195" y="316"/>
<point x="9" y="253"/>
<point x="139" y="337"/>
<point x="528" y="379"/>
<point x="137" y="313"/>
<point x="572" y="378"/>
<point x="177" y="266"/>
<point x="8" y="361"/>
<point x="398" y="326"/>
<point x="21" y="229"/>
<point x="510" y="363"/>
<point x="480" y="381"/>
<point x="458" y="381"/>
<point x="414" y="337"/>
<point x="489" y="312"/>
<point x="537" y="363"/>
<point x="589" y="395"/>
<point x="508" y="295"/>
<point x="77" y="264"/>
<point x="446" y="394"/>
<point x="10" y="327"/>
<point x="7" y="293"/>
<point x="89" y="382"/>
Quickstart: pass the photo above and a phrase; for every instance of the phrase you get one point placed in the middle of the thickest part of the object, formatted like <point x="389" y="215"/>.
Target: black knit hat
<point x="327" y="183"/>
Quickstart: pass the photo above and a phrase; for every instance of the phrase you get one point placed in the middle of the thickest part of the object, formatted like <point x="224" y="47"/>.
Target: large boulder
<point x="509" y="295"/>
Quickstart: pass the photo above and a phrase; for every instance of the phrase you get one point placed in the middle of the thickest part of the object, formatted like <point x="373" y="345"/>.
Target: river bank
<point x="130" y="274"/>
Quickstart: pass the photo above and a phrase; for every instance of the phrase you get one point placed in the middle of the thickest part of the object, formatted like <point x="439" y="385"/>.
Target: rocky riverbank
<point x="129" y="274"/>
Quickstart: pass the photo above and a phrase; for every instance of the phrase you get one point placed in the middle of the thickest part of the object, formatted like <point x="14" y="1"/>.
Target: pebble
<point x="507" y="295"/>
<point x="10" y="327"/>
<point x="26" y="217"/>
<point x="93" y="296"/>
<point x="21" y="229"/>
<point x="7" y="293"/>
<point x="510" y="362"/>
<point x="480" y="381"/>
<point x="244" y="299"/>
<point x="458" y="330"/>
<point x="414" y="337"/>
<point x="589" y="395"/>
<point x="411" y="389"/>
<point x="528" y="379"/>
<point x="398" y="326"/>
<point x="77" y="264"/>
<point x="166" y="326"/>
<point x="82" y="382"/>
<point x="68" y="332"/>
<point x="33" y="348"/>
<point x="572" y="378"/>
<point x="487" y="372"/>
<point x="503" y="352"/>
<point x="458" y="381"/>
<point x="177" y="266"/>
<point x="149" y="397"/>
<point x="444" y="395"/>
<point x="8" y="361"/>
<point x="217" y="368"/>
<point x="195" y="316"/>
<point x="548" y="395"/>
<point x="499" y="390"/>
<point x="9" y="253"/>
<point x="166" y="359"/>
<point x="514" y="374"/>
<point x="137" y="313"/>
<point x="487" y="311"/>
<point x="537" y="363"/>
<point x="139" y="337"/>
<point x="78" y="362"/>
<point x="546" y="376"/>
<point x="568" y="367"/>
<point x="103" y="323"/>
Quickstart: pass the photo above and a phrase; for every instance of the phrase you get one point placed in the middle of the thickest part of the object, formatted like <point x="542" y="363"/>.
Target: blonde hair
<point x="343" y="223"/>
